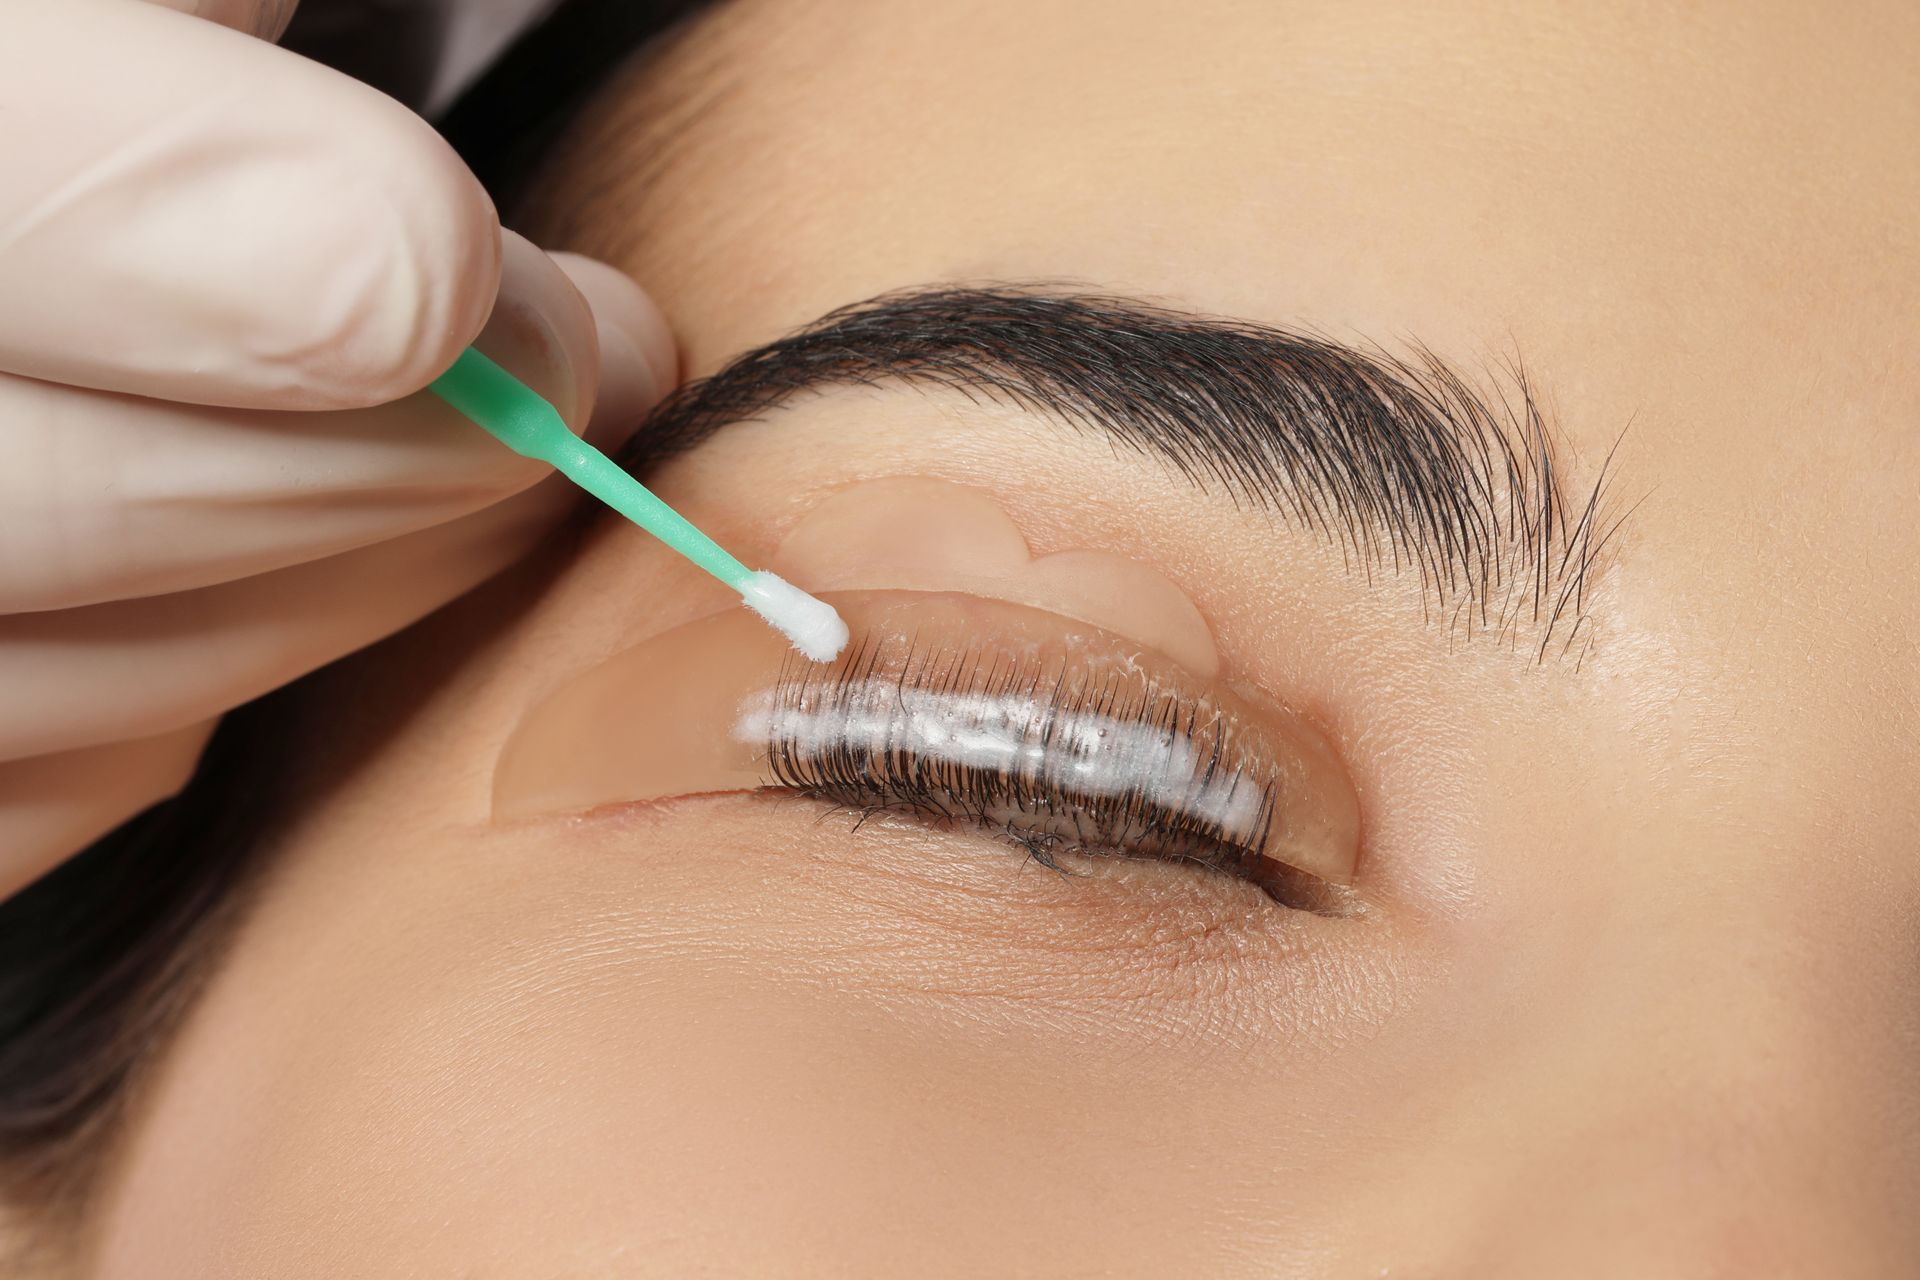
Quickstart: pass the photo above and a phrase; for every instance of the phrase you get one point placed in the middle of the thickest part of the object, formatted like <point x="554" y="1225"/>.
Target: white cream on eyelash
<point x="1020" y="736"/>
<point x="661" y="719"/>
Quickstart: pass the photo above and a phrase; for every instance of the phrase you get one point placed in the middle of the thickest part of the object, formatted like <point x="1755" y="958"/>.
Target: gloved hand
<point x="223" y="270"/>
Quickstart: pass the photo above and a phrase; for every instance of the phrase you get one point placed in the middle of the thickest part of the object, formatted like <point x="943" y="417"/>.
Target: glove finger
<point x="106" y="497"/>
<point x="133" y="668"/>
<point x="639" y="359"/>
<point x="52" y="805"/>
<point x="266" y="19"/>
<point x="208" y="218"/>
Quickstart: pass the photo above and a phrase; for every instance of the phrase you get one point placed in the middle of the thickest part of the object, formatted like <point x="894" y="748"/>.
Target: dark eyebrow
<point x="1401" y="462"/>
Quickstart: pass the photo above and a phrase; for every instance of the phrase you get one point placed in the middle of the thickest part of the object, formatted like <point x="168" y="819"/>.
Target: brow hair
<point x="1400" y="461"/>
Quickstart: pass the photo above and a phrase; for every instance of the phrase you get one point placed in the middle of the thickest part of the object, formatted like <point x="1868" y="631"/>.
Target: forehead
<point x="1455" y="171"/>
<point x="1696" y="236"/>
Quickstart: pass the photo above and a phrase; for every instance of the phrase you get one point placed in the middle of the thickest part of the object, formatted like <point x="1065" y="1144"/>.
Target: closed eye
<point x="1058" y="754"/>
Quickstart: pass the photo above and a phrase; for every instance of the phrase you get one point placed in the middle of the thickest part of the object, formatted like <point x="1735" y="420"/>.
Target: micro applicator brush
<point x="521" y="419"/>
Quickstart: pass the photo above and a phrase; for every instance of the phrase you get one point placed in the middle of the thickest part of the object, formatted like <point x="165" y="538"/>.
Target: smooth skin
<point x="1640" y="995"/>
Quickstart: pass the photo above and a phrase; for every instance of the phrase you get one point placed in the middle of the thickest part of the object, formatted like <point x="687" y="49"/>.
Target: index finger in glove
<point x="107" y="706"/>
<point x="133" y="668"/>
<point x="106" y="496"/>
<point x="191" y="214"/>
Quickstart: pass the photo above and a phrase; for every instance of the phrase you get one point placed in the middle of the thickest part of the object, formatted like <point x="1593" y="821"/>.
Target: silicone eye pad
<point x="920" y="534"/>
<point x="953" y="707"/>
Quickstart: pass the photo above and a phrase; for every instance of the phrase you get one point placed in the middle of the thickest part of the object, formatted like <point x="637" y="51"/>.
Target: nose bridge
<point x="1733" y="1140"/>
<point x="1719" y="1106"/>
<point x="1683" y="1205"/>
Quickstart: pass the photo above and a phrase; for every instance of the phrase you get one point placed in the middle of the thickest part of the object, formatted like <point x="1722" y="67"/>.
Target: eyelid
<point x="661" y="719"/>
<point x="920" y="533"/>
<point x="1057" y="751"/>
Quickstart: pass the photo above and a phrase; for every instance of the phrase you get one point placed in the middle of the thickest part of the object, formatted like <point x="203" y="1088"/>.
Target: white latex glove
<point x="220" y="267"/>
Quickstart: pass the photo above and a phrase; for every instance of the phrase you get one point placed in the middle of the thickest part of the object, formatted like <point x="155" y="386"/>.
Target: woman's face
<point x="1607" y="803"/>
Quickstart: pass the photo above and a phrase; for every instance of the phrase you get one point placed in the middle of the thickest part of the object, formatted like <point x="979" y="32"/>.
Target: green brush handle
<point x="521" y="419"/>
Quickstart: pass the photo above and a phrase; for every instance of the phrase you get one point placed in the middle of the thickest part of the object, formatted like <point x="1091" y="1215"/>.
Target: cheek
<point x="730" y="1033"/>
<point x="965" y="928"/>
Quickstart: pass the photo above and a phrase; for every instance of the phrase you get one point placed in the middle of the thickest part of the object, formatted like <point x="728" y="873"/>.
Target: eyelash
<point x="1052" y="758"/>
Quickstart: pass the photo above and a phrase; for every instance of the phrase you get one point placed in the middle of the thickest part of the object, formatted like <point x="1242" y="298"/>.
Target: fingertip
<point x="290" y="239"/>
<point x="639" y="359"/>
<point x="542" y="330"/>
<point x="266" y="19"/>
<point x="424" y="282"/>
<point x="270" y="18"/>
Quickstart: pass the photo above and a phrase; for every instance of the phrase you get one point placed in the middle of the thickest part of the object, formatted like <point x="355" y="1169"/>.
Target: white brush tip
<point x="815" y="629"/>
